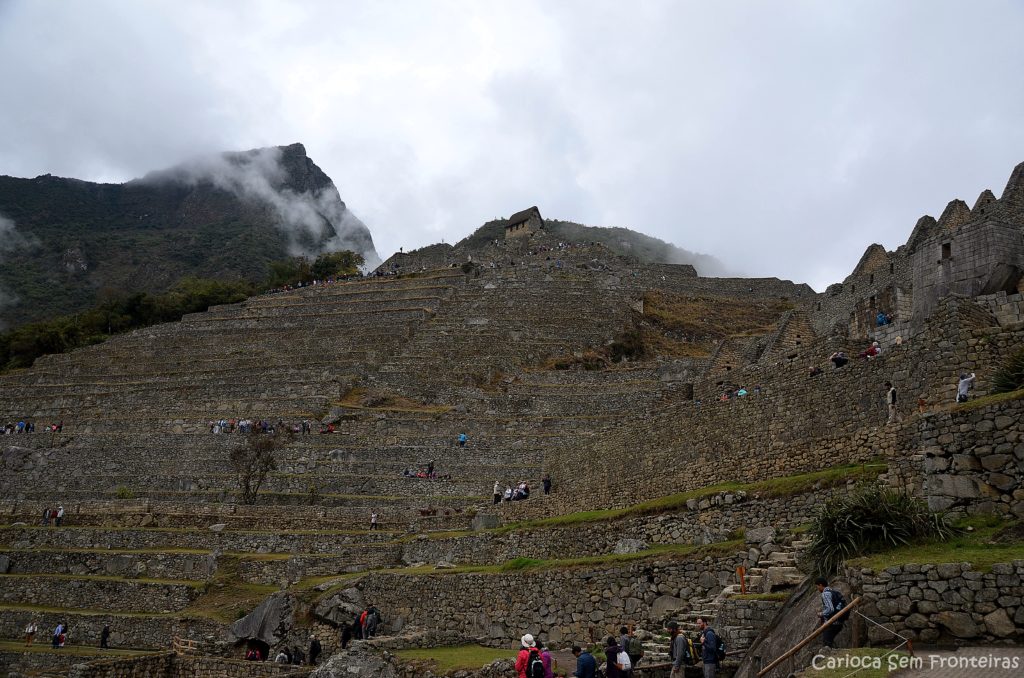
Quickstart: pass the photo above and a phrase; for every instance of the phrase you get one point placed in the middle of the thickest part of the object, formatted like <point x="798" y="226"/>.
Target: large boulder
<point x="269" y="622"/>
<point x="340" y="607"/>
<point x="959" y="624"/>
<point x="355" y="663"/>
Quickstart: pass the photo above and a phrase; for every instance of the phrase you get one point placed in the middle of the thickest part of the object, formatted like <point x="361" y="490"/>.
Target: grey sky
<point x="781" y="137"/>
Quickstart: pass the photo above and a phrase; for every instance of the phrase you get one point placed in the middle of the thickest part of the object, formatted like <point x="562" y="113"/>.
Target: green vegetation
<point x="21" y="346"/>
<point x="981" y="541"/>
<point x="75" y="650"/>
<point x="992" y="399"/>
<point x="124" y="492"/>
<point x="688" y="326"/>
<point x="871" y="519"/>
<point x="122" y="313"/>
<point x="460" y="658"/>
<point x="1010" y="377"/>
<point x="226" y="597"/>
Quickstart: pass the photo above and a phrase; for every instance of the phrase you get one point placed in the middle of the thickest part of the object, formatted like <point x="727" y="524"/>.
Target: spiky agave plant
<point x="869" y="519"/>
<point x="1010" y="376"/>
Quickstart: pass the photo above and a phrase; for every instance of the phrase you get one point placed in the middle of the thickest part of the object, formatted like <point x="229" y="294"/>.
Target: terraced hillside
<point x="662" y="488"/>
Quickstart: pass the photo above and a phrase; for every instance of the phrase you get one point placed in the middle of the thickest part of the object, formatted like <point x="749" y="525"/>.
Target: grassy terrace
<point x="459" y="658"/>
<point x="985" y="401"/>
<point x="983" y="541"/>
<point x="776" y="487"/>
<point x="74" y="650"/>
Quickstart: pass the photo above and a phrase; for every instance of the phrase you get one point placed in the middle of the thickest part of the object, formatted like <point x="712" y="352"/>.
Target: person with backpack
<point x="712" y="648"/>
<point x="618" y="664"/>
<point x="632" y="645"/>
<point x="679" y="651"/>
<point x="832" y="601"/>
<point x="547" y="660"/>
<point x="963" y="386"/>
<point x="529" y="663"/>
<point x="890" y="400"/>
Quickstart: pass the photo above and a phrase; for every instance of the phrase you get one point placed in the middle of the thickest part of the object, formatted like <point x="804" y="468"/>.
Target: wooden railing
<point x="184" y="646"/>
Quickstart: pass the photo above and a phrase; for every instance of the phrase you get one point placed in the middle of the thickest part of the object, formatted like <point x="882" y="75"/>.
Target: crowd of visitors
<point x="239" y="425"/>
<point x="26" y="426"/>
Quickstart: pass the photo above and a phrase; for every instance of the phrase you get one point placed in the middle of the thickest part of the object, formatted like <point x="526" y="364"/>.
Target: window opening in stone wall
<point x="819" y="305"/>
<point x="871" y="279"/>
<point x="947" y="250"/>
<point x="892" y="267"/>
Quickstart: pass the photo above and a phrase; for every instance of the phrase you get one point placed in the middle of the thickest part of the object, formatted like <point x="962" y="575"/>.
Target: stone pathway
<point x="966" y="663"/>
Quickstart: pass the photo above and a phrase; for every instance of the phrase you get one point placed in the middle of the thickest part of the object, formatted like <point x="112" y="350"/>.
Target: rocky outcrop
<point x="269" y="622"/>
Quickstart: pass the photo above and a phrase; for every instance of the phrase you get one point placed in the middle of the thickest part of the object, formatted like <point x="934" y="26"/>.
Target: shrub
<point x="253" y="461"/>
<point x="872" y="518"/>
<point x="630" y="345"/>
<point x="1010" y="377"/>
<point x="124" y="492"/>
<point x="520" y="564"/>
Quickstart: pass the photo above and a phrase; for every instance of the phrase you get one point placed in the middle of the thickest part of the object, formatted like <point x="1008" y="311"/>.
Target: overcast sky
<point x="781" y="137"/>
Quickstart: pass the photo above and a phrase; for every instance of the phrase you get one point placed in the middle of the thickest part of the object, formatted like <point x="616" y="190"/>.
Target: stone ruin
<point x="157" y="544"/>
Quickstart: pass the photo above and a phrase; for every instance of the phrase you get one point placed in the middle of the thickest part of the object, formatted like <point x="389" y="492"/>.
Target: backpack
<point x="689" y="652"/>
<point x="635" y="648"/>
<point x="622" y="659"/>
<point x="838" y="602"/>
<point x="720" y="650"/>
<point x="534" y="665"/>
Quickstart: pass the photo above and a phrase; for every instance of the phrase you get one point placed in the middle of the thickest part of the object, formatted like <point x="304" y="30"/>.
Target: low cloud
<point x="11" y="242"/>
<point x="315" y="219"/>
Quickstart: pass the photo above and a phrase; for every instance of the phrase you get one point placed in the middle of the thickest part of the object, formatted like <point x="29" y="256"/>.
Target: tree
<point x="253" y="460"/>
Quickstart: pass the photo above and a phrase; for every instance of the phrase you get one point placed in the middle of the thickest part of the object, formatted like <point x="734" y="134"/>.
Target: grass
<point x="364" y="399"/>
<point x="226" y="597"/>
<point x="459" y="658"/>
<point x="871" y="656"/>
<point x="775" y="487"/>
<point x="985" y="401"/>
<point x="978" y="543"/>
<point x="42" y="644"/>
<point x="98" y="577"/>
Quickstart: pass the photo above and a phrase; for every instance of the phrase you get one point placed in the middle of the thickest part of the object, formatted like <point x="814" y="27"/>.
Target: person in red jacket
<point x="523" y="658"/>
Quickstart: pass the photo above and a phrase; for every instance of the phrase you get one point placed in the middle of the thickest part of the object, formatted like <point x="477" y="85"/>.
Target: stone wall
<point x="704" y="521"/>
<point x="559" y="606"/>
<point x="949" y="603"/>
<point x="171" y="665"/>
<point x="967" y="460"/>
<point x="964" y="262"/>
<point x="120" y="595"/>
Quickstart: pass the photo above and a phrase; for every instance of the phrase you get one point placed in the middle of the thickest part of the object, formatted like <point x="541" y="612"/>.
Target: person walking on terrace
<point x="529" y="663"/>
<point x="497" y="492"/>
<point x="462" y="439"/>
<point x="30" y="633"/>
<point x="105" y="637"/>
<point x="831" y="602"/>
<point x="373" y="520"/>
<point x="546" y="481"/>
<point x="890" y="400"/>
<point x="60" y="516"/>
<point x="963" y="386"/>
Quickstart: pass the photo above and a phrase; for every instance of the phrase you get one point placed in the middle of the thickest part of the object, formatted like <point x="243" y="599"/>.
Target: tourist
<point x="60" y="516"/>
<point x="709" y="647"/>
<point x="546" y="481"/>
<point x="881" y="319"/>
<point x="372" y="620"/>
<point x="314" y="650"/>
<point x="634" y="648"/>
<point x="890" y="400"/>
<point x="373" y="520"/>
<point x="963" y="386"/>
<point x="46" y="516"/>
<point x="430" y="469"/>
<point x="497" y="492"/>
<point x="507" y="496"/>
<point x="829" y="598"/>
<point x="614" y="655"/>
<point x="282" y="657"/>
<point x="814" y="371"/>
<point x="677" y="651"/>
<point x="346" y="635"/>
<point x="105" y="637"/>
<point x="298" y="656"/>
<point x="546" y="660"/>
<point x="462" y="440"/>
<point x="362" y="624"/>
<point x="357" y="627"/>
<point x="586" y="665"/>
<point x="58" y="635"/>
<point x="871" y="352"/>
<point x="30" y="633"/>
<point x="839" y="359"/>
<point x="528" y="654"/>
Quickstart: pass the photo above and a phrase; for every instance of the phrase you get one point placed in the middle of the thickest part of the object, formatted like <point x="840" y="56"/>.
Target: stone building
<point x="524" y="224"/>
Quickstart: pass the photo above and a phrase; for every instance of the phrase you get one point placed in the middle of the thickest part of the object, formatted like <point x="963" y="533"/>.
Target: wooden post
<point x="817" y="632"/>
<point x="741" y="572"/>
